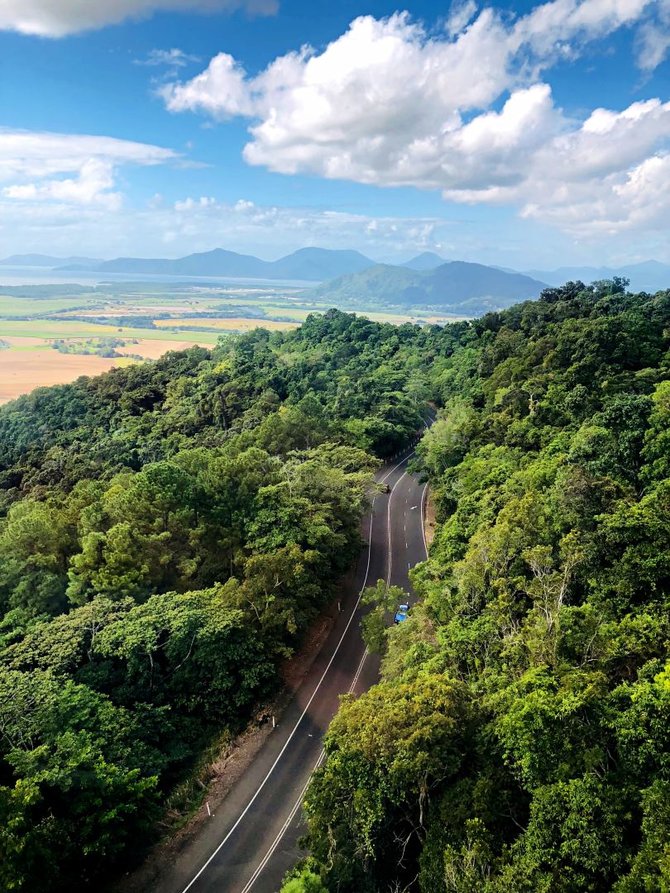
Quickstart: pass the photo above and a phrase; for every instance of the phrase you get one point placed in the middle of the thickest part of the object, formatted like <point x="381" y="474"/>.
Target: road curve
<point x="252" y="841"/>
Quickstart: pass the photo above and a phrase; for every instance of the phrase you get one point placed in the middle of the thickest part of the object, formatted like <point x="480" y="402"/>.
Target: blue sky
<point x="521" y="134"/>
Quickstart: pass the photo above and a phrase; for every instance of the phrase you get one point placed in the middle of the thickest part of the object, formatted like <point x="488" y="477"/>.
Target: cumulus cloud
<point x="58" y="18"/>
<point x="466" y="111"/>
<point x="221" y="90"/>
<point x="74" y="169"/>
<point x="600" y="178"/>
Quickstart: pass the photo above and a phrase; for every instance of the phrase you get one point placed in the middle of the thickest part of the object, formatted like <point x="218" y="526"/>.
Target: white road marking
<point x="389" y="551"/>
<point x="358" y="671"/>
<point x="313" y="695"/>
<point x="298" y="803"/>
<point x="275" y="843"/>
<point x="423" y="518"/>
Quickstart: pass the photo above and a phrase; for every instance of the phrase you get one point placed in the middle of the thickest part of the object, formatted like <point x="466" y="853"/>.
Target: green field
<point x="142" y="320"/>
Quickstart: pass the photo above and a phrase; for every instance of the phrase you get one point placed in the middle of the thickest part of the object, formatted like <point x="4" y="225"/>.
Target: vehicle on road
<point x="401" y="613"/>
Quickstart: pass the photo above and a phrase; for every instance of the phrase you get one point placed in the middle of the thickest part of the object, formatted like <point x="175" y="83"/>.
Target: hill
<point x="319" y="264"/>
<point x="169" y="530"/>
<point x="462" y="287"/>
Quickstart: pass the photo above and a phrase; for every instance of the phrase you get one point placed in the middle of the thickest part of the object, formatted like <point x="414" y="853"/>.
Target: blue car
<point x="401" y="613"/>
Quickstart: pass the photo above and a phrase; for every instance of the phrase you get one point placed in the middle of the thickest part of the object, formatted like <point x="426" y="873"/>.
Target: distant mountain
<point x="209" y="263"/>
<point x="45" y="260"/>
<point x="319" y="264"/>
<point x="457" y="287"/>
<point x="650" y="275"/>
<point x="427" y="260"/>
<point x="309" y="264"/>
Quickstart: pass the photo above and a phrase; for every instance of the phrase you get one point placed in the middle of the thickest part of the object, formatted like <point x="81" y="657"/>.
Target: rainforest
<point x="170" y="530"/>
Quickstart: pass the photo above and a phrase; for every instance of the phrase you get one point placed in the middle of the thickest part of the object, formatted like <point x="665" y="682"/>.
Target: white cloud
<point x="93" y="185"/>
<point x="173" y="229"/>
<point x="388" y="104"/>
<point x="635" y="201"/>
<point x="57" y="18"/>
<point x="75" y="169"/>
<point x="173" y="59"/>
<point x="654" y="38"/>
<point x="460" y="15"/>
<point x="190" y="204"/>
<point x="589" y="180"/>
<point x="221" y="90"/>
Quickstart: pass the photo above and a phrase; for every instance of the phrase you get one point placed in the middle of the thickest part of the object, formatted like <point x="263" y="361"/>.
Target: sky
<point x="520" y="134"/>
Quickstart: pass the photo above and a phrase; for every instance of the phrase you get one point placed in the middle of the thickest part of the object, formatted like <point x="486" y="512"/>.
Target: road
<point x="252" y="840"/>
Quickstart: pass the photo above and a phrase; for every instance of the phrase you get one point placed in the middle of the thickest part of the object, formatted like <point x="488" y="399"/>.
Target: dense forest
<point x="169" y="530"/>
<point x="167" y="533"/>
<point x="519" y="739"/>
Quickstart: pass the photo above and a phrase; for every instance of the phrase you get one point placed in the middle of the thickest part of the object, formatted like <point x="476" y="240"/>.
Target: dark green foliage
<point x="546" y="605"/>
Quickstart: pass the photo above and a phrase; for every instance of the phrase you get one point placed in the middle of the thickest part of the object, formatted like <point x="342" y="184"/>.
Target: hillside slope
<point x="457" y="286"/>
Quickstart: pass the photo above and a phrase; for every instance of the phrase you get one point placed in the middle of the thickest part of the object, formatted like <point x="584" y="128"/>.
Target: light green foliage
<point x="387" y="753"/>
<point x="446" y="443"/>
<point x="304" y="882"/>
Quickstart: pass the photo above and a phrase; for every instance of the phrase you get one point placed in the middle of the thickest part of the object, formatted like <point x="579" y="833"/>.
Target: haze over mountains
<point x="650" y="276"/>
<point x="427" y="260"/>
<point x="46" y="260"/>
<point x="348" y="277"/>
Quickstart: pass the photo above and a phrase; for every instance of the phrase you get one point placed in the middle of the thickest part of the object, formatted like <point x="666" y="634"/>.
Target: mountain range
<point x="307" y="264"/>
<point x="348" y="277"/>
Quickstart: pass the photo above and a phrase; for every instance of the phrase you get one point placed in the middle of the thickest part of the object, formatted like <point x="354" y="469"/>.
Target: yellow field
<point x="32" y="363"/>
<point x="22" y="371"/>
<point x="153" y="349"/>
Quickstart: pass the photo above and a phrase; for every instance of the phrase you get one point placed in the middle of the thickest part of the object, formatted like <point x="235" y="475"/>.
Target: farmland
<point x="52" y="334"/>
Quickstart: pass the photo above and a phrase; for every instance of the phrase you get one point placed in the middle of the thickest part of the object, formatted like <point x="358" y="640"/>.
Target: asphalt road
<point x="253" y="839"/>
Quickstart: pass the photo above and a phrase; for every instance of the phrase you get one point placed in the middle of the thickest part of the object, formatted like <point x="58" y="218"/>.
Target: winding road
<point x="253" y="839"/>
